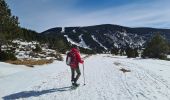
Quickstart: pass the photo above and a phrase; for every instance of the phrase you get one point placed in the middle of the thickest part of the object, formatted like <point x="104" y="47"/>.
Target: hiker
<point x="74" y="64"/>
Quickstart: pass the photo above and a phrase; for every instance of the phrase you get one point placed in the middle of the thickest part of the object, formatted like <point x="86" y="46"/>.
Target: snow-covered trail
<point x="104" y="81"/>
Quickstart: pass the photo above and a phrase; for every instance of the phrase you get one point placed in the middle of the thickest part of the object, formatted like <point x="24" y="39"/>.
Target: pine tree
<point x="37" y="48"/>
<point x="8" y="23"/>
<point x="132" y="53"/>
<point x="115" y="51"/>
<point x="156" y="48"/>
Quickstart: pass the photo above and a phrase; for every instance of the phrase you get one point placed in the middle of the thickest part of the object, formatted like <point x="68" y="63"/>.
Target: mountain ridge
<point x="105" y="37"/>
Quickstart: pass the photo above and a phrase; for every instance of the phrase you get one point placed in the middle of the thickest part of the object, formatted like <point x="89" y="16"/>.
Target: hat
<point x="75" y="46"/>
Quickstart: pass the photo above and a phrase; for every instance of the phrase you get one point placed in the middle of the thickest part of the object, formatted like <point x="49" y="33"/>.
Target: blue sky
<point x="40" y="15"/>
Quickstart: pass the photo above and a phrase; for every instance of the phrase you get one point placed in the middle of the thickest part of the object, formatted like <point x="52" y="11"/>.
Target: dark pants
<point x="73" y="78"/>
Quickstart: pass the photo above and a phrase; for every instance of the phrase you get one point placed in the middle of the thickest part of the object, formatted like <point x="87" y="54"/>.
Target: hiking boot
<point x="72" y="82"/>
<point x="75" y="84"/>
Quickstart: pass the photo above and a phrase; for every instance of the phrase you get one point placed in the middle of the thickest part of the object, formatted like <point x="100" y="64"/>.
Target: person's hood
<point x="74" y="50"/>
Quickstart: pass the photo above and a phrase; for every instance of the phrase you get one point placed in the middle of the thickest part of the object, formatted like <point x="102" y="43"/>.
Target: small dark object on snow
<point x="30" y="65"/>
<point x="75" y="86"/>
<point x="124" y="70"/>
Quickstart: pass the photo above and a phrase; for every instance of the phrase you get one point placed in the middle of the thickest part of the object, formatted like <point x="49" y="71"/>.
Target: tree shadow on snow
<point x="26" y="94"/>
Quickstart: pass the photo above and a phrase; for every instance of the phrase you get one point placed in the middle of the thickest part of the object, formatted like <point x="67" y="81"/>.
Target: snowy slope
<point x="7" y="69"/>
<point x="98" y="42"/>
<point x="80" y="44"/>
<point x="148" y="79"/>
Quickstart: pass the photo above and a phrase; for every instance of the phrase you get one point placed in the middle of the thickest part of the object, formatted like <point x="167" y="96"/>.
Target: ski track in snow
<point x="104" y="81"/>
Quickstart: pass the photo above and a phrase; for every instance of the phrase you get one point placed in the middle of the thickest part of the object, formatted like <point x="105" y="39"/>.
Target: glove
<point x="82" y="61"/>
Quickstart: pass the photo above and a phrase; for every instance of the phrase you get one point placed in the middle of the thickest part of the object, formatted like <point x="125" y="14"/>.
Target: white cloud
<point x="134" y="15"/>
<point x="154" y="13"/>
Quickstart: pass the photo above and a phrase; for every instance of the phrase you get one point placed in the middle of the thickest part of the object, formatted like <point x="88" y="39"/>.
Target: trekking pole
<point x="83" y="74"/>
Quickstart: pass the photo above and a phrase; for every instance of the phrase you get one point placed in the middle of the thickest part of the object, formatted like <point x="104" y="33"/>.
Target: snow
<point x="123" y="38"/>
<point x="74" y="31"/>
<point x="24" y="50"/>
<point x="148" y="79"/>
<point x="80" y="44"/>
<point x="8" y="69"/>
<point x="116" y="45"/>
<point x="24" y="42"/>
<point x="168" y="56"/>
<point x="70" y="40"/>
<point x="23" y="54"/>
<point x="63" y="30"/>
<point x="124" y="33"/>
<point x="98" y="42"/>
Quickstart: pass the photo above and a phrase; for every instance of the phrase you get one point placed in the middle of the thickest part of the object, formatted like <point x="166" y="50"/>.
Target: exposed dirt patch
<point x="30" y="63"/>
<point x="124" y="70"/>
